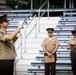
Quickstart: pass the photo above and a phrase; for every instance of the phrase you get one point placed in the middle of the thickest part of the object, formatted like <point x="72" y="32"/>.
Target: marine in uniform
<point x="7" y="49"/>
<point x="72" y="46"/>
<point x="50" y="45"/>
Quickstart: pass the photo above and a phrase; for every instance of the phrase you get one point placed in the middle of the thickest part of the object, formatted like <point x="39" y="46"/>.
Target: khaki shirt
<point x="6" y="47"/>
<point x="50" y="44"/>
<point x="72" y="41"/>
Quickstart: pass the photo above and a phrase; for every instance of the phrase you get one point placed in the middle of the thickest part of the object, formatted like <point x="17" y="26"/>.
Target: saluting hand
<point x="20" y="25"/>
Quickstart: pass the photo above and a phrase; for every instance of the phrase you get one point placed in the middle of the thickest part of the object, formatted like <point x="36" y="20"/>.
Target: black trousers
<point x="73" y="62"/>
<point x="52" y="66"/>
<point x="6" y="67"/>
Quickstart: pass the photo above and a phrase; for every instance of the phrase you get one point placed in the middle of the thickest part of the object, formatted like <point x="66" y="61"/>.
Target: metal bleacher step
<point x="67" y="22"/>
<point x="58" y="51"/>
<point x="17" y="15"/>
<point x="59" y="30"/>
<point x="66" y="26"/>
<point x="12" y="26"/>
<point x="36" y="70"/>
<point x="68" y="17"/>
<point x="39" y="64"/>
<point x="58" y="56"/>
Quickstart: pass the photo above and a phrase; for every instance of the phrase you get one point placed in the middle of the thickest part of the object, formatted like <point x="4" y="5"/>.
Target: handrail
<point x="36" y="10"/>
<point x="20" y="45"/>
<point x="30" y="31"/>
<point x="20" y="36"/>
<point x="43" y="4"/>
<point x="30" y="21"/>
<point x="34" y="26"/>
<point x="41" y="15"/>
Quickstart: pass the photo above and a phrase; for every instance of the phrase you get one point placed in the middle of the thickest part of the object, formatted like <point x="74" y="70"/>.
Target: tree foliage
<point x="18" y="4"/>
<point x="26" y="4"/>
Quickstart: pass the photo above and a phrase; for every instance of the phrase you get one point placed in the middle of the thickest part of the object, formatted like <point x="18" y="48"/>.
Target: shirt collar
<point x="2" y="31"/>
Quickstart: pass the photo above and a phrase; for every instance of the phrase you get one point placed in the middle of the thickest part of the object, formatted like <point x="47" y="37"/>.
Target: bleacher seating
<point x="69" y="13"/>
<point x="65" y="41"/>
<point x="18" y="15"/>
<point x="67" y="21"/>
<point x="42" y="70"/>
<point x="68" y="17"/>
<point x="42" y="63"/>
<point x="64" y="26"/>
<point x="15" y="16"/>
<point x="58" y="51"/>
<point x="59" y="56"/>
<point x="63" y="33"/>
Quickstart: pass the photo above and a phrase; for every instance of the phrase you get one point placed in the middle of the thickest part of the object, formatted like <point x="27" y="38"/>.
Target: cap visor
<point x="6" y="20"/>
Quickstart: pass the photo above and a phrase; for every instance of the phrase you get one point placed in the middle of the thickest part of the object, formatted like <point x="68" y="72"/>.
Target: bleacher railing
<point x="18" y="43"/>
<point x="31" y="27"/>
<point x="39" y="16"/>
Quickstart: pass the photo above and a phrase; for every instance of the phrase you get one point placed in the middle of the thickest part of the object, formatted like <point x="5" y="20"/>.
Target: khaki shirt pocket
<point x="45" y="42"/>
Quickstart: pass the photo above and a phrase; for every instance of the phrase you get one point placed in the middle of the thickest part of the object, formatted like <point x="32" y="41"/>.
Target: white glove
<point x="20" y="24"/>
